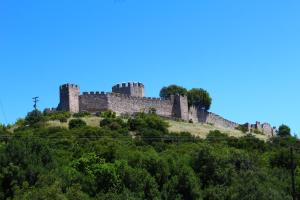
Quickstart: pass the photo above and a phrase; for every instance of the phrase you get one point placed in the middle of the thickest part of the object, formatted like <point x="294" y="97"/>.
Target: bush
<point x="61" y="116"/>
<point x="108" y="114"/>
<point x="113" y="123"/>
<point x="20" y="122"/>
<point x="81" y="114"/>
<point x="34" y="118"/>
<point x="76" y="123"/>
<point x="242" y="127"/>
<point x="148" y="121"/>
<point x="284" y="131"/>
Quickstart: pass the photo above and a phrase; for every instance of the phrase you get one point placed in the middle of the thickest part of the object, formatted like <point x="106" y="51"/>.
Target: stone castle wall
<point x="123" y="104"/>
<point x="129" y="99"/>
<point x="264" y="128"/>
<point x="199" y="115"/>
<point x="93" y="102"/>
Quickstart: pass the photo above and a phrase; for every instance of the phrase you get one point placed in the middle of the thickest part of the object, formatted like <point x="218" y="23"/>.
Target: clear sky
<point x="245" y="53"/>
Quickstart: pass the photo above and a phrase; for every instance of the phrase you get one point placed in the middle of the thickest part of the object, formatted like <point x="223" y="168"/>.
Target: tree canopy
<point x="284" y="131"/>
<point x="166" y="92"/>
<point x="196" y="97"/>
<point x="200" y="98"/>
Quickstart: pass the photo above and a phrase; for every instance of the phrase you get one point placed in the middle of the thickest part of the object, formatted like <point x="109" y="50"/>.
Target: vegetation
<point x="81" y="114"/>
<point x="76" y="123"/>
<point x="196" y="97"/>
<point x="284" y="131"/>
<point x="200" y="98"/>
<point x="140" y="158"/>
<point x="34" y="118"/>
<point x="243" y="128"/>
<point x="59" y="115"/>
<point x="166" y="92"/>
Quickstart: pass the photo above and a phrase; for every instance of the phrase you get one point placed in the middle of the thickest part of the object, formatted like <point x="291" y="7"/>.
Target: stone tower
<point x="131" y="89"/>
<point x="69" y="98"/>
<point x="180" y="107"/>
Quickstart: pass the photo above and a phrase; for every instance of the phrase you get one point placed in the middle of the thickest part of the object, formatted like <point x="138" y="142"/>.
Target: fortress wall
<point x="93" y="102"/>
<point x="123" y="104"/>
<point x="199" y="115"/>
<point x="267" y="129"/>
<point x="194" y="114"/>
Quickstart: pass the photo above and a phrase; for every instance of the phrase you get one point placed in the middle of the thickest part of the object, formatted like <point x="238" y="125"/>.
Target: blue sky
<point x="245" y="53"/>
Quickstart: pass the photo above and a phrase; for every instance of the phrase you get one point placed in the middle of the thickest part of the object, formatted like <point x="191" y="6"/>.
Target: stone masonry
<point x="128" y="99"/>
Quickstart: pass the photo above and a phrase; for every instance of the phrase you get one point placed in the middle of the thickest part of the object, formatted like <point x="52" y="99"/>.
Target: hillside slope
<point x="197" y="129"/>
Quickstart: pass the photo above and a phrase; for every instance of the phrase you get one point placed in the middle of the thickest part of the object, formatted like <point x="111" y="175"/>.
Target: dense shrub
<point x="81" y="114"/>
<point x="243" y="128"/>
<point x="34" y="118"/>
<point x="76" y="123"/>
<point x="108" y="114"/>
<point x="284" y="131"/>
<point x="61" y="116"/>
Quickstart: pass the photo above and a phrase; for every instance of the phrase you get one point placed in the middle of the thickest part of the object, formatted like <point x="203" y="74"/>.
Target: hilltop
<point x="175" y="103"/>
<point x="86" y="157"/>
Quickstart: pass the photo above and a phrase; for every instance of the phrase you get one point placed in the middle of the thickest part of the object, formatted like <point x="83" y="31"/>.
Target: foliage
<point x="166" y="92"/>
<point x="108" y="114"/>
<point x="76" y="123"/>
<point x="284" y="131"/>
<point x="119" y="161"/>
<point x="81" y="114"/>
<point x="242" y="127"/>
<point x="59" y="115"/>
<point x="34" y="118"/>
<point x="200" y="98"/>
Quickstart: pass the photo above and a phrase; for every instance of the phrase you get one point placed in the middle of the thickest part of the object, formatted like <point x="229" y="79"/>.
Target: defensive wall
<point x="200" y="115"/>
<point x="128" y="99"/>
<point x="124" y="104"/>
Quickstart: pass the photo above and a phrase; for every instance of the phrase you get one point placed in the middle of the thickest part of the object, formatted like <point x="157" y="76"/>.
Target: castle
<point x="129" y="98"/>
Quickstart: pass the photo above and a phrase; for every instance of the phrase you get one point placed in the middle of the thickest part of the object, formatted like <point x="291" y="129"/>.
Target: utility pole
<point x="35" y="101"/>
<point x="293" y="174"/>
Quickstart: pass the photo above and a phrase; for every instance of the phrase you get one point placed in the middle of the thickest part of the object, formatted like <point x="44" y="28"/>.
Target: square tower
<point x="69" y="98"/>
<point x="130" y="89"/>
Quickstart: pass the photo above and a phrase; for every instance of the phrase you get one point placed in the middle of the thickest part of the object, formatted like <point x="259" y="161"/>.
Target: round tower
<point x="130" y="89"/>
<point x="69" y="98"/>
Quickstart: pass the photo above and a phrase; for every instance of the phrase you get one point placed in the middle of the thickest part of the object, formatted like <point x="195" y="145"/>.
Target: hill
<point x="109" y="157"/>
<point x="196" y="129"/>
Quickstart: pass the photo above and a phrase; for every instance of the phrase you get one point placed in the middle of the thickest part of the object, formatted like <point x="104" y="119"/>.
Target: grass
<point x="197" y="129"/>
<point x="202" y="130"/>
<point x="90" y="121"/>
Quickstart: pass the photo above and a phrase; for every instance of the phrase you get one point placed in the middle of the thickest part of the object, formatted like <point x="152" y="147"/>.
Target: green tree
<point x="200" y="98"/>
<point x="284" y="131"/>
<point x="166" y="92"/>
<point x="34" y="118"/>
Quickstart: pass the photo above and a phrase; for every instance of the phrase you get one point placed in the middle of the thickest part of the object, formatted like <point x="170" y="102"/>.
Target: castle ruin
<point x="129" y="98"/>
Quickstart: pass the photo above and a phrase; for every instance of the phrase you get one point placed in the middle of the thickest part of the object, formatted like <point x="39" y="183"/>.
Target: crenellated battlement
<point x="69" y="85"/>
<point x="130" y="88"/>
<point x="69" y="98"/>
<point x="123" y="96"/>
